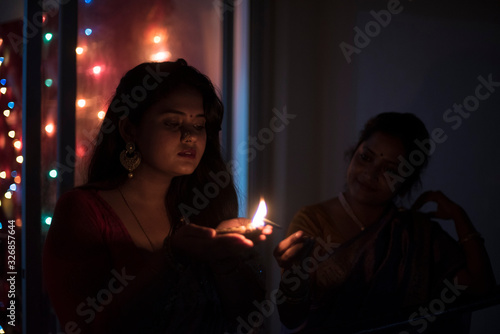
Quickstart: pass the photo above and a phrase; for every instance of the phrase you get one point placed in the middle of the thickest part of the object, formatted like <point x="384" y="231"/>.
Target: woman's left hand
<point x="446" y="208"/>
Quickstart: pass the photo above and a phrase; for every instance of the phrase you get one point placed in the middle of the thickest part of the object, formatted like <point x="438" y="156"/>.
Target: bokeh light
<point x="11" y="133"/>
<point x="81" y="103"/>
<point x="101" y="114"/>
<point x="48" y="82"/>
<point x="79" y="50"/>
<point x="161" y="56"/>
<point x="53" y="173"/>
<point x="49" y="128"/>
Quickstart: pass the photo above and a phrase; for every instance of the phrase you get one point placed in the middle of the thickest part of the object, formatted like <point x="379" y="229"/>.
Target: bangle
<point x="471" y="236"/>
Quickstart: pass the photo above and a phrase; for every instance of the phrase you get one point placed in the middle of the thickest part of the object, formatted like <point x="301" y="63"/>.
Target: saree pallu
<point x="390" y="272"/>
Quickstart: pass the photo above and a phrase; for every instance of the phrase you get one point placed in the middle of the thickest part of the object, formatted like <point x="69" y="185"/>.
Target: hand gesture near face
<point x="446" y="208"/>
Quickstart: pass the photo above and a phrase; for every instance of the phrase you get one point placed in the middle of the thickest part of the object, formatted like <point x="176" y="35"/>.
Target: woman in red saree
<point x="358" y="261"/>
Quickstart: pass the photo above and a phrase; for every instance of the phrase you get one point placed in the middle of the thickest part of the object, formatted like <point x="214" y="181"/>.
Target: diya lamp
<point x="254" y="229"/>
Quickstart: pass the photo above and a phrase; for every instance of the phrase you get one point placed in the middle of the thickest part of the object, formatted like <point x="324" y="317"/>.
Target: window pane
<point x="114" y="36"/>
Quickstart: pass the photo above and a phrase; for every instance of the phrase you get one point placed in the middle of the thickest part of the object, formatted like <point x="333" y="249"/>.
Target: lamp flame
<point x="260" y="214"/>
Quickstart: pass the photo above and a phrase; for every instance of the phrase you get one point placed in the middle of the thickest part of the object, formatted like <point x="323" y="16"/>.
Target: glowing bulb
<point x="8" y="195"/>
<point x="0" y="223"/>
<point x="48" y="220"/>
<point x="101" y="114"/>
<point x="10" y="105"/>
<point x="88" y="31"/>
<point x="53" y="173"/>
<point x="3" y="82"/>
<point x="157" y="39"/>
<point x="49" y="128"/>
<point x="13" y="187"/>
<point x="48" y="36"/>
<point x="3" y="174"/>
<point x="6" y="112"/>
<point x="18" y="144"/>
<point x="11" y="133"/>
<point x="13" y="173"/>
<point x="20" y="159"/>
<point x="3" y="90"/>
<point x="1" y="60"/>
<point x="260" y="214"/>
<point x="79" y="50"/>
<point x="161" y="56"/>
<point x="17" y="179"/>
<point x="96" y="69"/>
<point x="81" y="103"/>
<point x="48" y="82"/>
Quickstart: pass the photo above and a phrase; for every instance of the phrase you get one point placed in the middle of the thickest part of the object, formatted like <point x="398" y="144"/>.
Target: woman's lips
<point x="187" y="154"/>
<point x="366" y="186"/>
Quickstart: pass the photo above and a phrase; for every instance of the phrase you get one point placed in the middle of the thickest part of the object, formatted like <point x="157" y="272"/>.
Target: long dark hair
<point x="138" y="90"/>
<point x="409" y="129"/>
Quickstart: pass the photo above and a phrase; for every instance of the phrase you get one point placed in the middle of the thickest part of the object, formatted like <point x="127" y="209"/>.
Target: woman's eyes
<point x="176" y="125"/>
<point x="364" y="157"/>
<point x="172" y="124"/>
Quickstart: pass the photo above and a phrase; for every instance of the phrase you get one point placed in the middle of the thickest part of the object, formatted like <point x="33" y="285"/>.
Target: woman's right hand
<point x="293" y="249"/>
<point x="203" y="243"/>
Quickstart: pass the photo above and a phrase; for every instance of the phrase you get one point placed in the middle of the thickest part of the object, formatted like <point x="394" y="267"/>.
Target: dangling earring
<point x="130" y="158"/>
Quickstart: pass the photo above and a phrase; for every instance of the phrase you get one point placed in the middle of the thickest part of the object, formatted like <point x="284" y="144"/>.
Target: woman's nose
<point x="187" y="134"/>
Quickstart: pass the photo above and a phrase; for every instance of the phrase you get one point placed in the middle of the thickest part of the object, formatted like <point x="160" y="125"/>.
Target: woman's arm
<point x="478" y="274"/>
<point x="294" y="285"/>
